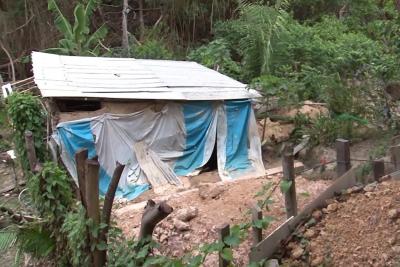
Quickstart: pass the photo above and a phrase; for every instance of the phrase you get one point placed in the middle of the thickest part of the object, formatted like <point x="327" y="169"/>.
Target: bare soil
<point x="230" y="206"/>
<point x="363" y="230"/>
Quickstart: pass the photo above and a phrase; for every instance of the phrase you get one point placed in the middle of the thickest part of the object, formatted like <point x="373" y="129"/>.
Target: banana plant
<point x="77" y="38"/>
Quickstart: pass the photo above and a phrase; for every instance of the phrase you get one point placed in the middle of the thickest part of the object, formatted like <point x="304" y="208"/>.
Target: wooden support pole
<point x="256" y="215"/>
<point x="224" y="232"/>
<point x="152" y="215"/>
<point x="395" y="156"/>
<point x="80" y="162"/>
<point x="289" y="176"/>
<point x="108" y="203"/>
<point x="379" y="169"/>
<point x="342" y="156"/>
<point x="92" y="202"/>
<point x="30" y="150"/>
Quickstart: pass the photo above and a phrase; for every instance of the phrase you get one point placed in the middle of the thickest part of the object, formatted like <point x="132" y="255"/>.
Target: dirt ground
<point x="229" y="205"/>
<point x="361" y="230"/>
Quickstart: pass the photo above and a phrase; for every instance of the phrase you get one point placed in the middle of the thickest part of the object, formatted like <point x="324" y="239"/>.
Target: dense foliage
<point x="26" y="114"/>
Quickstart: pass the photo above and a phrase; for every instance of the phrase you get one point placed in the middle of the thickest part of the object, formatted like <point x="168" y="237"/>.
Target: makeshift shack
<point x="162" y="119"/>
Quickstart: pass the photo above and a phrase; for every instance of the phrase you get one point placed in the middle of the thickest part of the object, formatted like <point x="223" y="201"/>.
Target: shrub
<point x="25" y="113"/>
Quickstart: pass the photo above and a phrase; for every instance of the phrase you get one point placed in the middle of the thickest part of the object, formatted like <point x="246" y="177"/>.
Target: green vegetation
<point x="26" y="114"/>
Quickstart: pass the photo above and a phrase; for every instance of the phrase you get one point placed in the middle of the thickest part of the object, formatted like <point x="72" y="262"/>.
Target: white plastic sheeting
<point x="182" y="136"/>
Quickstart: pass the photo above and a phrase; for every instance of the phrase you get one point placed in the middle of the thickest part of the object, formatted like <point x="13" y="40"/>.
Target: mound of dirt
<point x="362" y="230"/>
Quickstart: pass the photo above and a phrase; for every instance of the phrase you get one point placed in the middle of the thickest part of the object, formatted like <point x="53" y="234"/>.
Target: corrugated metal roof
<point x="126" y="78"/>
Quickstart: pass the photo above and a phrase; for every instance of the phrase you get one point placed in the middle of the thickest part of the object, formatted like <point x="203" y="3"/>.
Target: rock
<point x="332" y="207"/>
<point x="297" y="253"/>
<point x="272" y="263"/>
<point x="317" y="261"/>
<point x="275" y="132"/>
<point x="394" y="214"/>
<point x="163" y="238"/>
<point x="317" y="215"/>
<point x="187" y="214"/>
<point x="181" y="226"/>
<point x="210" y="191"/>
<point x="396" y="249"/>
<point x="355" y="189"/>
<point x="309" y="234"/>
<point x="392" y="240"/>
<point x="370" y="187"/>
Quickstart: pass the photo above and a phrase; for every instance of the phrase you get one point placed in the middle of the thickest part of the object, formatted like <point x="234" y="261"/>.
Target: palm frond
<point x="61" y="22"/>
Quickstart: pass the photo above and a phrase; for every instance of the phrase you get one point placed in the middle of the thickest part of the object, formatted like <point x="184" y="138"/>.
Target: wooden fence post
<point x="224" y="231"/>
<point x="395" y="156"/>
<point x="30" y="150"/>
<point x="256" y="215"/>
<point x="342" y="156"/>
<point x="80" y="162"/>
<point x="289" y="176"/>
<point x="92" y="202"/>
<point x="378" y="168"/>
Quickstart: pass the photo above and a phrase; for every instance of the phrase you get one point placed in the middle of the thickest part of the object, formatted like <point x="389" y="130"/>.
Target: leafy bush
<point x="216" y="55"/>
<point x="25" y="113"/>
<point x="51" y="192"/>
<point x="151" y="49"/>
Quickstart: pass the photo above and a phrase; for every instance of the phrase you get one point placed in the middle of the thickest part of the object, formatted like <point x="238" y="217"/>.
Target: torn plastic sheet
<point x="181" y="135"/>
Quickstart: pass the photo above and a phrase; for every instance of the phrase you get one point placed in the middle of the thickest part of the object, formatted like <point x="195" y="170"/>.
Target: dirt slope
<point x="363" y="230"/>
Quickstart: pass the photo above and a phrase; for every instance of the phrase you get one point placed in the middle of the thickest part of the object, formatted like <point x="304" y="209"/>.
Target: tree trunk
<point x="141" y="20"/>
<point x="125" y="40"/>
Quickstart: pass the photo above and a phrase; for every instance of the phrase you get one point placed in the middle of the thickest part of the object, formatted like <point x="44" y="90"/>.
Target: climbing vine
<point x="26" y="113"/>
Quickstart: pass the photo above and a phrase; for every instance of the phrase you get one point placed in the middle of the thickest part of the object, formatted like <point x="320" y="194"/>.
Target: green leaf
<point x="80" y="24"/>
<point x="232" y="240"/>
<point x="227" y="254"/>
<point x="285" y="186"/>
<point x="98" y="35"/>
<point x="61" y="22"/>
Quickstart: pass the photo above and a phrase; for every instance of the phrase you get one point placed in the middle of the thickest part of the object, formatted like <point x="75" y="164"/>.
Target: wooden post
<point x="224" y="231"/>
<point x="92" y="202"/>
<point x="256" y="215"/>
<point x="80" y="162"/>
<point x="108" y="202"/>
<point x="395" y="156"/>
<point x="342" y="156"/>
<point x="289" y="175"/>
<point x="378" y="168"/>
<point x="30" y="150"/>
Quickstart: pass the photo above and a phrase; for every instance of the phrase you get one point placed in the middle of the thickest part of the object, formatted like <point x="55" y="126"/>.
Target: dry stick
<point x="92" y="201"/>
<point x="80" y="161"/>
<point x="153" y="214"/>
<point x="125" y="40"/>
<point x="108" y="202"/>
